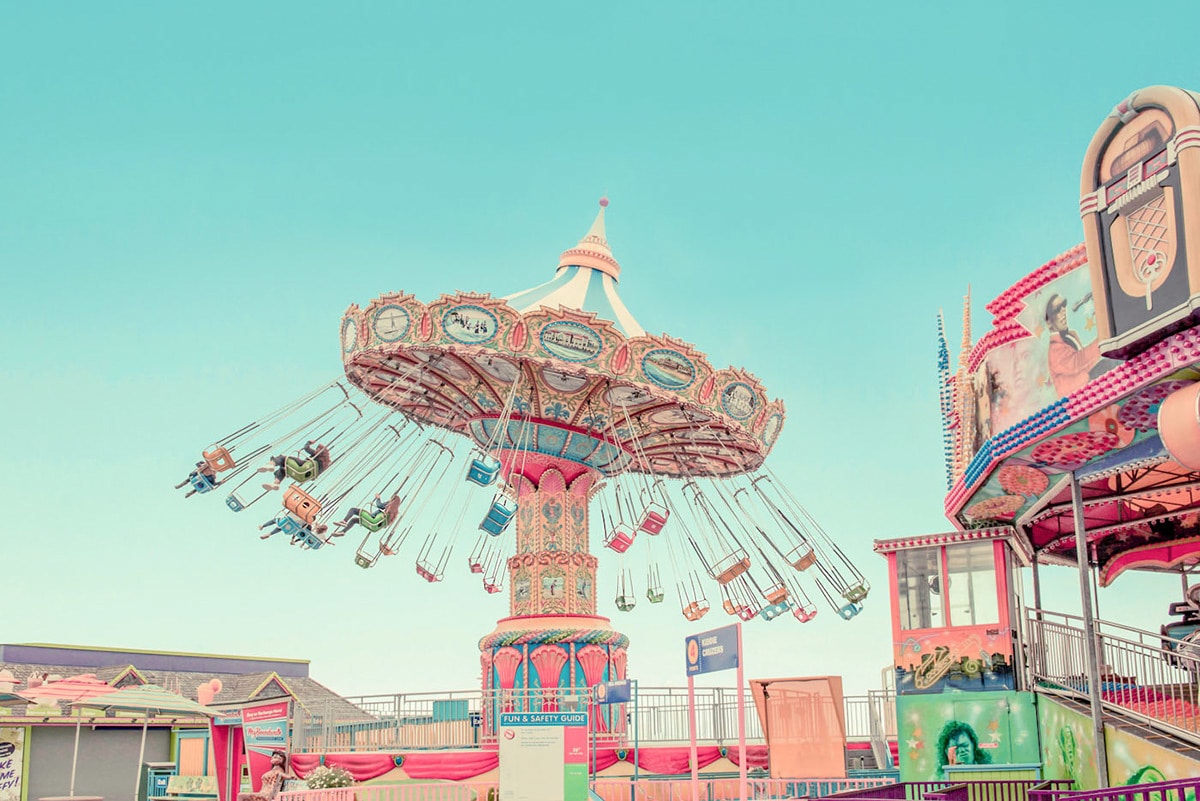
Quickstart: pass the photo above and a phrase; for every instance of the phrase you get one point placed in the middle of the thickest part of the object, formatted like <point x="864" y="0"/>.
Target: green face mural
<point x="958" y="729"/>
<point x="1069" y="752"/>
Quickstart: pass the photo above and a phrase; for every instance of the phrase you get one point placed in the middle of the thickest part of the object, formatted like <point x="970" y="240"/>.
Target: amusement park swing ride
<point x="559" y="405"/>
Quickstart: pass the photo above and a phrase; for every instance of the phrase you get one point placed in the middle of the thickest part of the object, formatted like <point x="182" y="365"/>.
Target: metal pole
<point x="1037" y="587"/>
<point x="741" y="713"/>
<point x="692" y="736"/>
<point x="636" y="709"/>
<point x="1091" y="657"/>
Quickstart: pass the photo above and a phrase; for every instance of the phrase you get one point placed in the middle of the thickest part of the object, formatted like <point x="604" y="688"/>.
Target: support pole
<point x="1090" y="642"/>
<point x="1037" y="587"/>
<point x="741" y="713"/>
<point x="692" y="737"/>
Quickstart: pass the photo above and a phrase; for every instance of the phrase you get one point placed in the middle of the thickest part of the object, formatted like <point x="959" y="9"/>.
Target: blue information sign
<point x="614" y="692"/>
<point x="713" y="650"/>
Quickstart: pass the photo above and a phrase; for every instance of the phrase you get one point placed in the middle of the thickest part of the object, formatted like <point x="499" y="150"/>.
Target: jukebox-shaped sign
<point x="1140" y="203"/>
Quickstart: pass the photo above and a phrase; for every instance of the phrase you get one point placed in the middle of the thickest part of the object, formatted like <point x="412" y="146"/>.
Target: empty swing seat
<point x="856" y="592"/>
<point x="475" y="565"/>
<point x="363" y="561"/>
<point x="747" y="612"/>
<point x="804" y="615"/>
<point x="483" y="471"/>
<point x="776" y="594"/>
<point x="802" y="558"/>
<point x="424" y="572"/>
<point x="219" y="459"/>
<point x="492" y="587"/>
<point x="626" y="602"/>
<point x="849" y="610"/>
<point x="772" y="611"/>
<point x="695" y="610"/>
<point x="235" y="503"/>
<point x="619" y="538"/>
<point x="653" y="517"/>
<point x="729" y="607"/>
<point x="301" y="504"/>
<point x="498" y="516"/>
<point x="731" y="567"/>
<point x="655" y="596"/>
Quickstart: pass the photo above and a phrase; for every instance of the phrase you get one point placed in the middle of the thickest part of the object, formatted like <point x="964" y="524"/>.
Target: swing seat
<point x="695" y="610"/>
<point x="655" y="596"/>
<point x="363" y="561"/>
<point x="424" y="572"/>
<point x="776" y="594"/>
<point x="747" y="612"/>
<point x="290" y="525"/>
<point x="856" y="592"/>
<point x="731" y="567"/>
<point x="201" y="483"/>
<point x="804" y="615"/>
<point x="475" y="565"/>
<point x="301" y="504"/>
<point x="619" y="538"/>
<point x="849" y="610"/>
<point x="311" y="541"/>
<point x="372" y="521"/>
<point x="234" y="503"/>
<point x="498" y="517"/>
<point x="728" y="606"/>
<point x="626" y="602"/>
<point x="802" y="558"/>
<point x="773" y="611"/>
<point x="219" y="459"/>
<point x="653" y="517"/>
<point x="483" y="471"/>
<point x="492" y="587"/>
<point x="301" y="471"/>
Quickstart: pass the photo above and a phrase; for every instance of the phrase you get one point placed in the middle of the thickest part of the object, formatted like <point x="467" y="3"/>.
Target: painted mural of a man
<point x="958" y="744"/>
<point x="1070" y="360"/>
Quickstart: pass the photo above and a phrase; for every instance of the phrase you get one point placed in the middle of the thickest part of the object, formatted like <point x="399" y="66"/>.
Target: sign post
<point x="707" y="652"/>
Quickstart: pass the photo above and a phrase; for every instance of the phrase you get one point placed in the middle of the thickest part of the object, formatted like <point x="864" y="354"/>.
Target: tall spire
<point x="593" y="251"/>
<point x="946" y="399"/>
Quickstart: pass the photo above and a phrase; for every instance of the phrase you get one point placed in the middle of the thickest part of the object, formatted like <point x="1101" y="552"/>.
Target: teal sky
<point x="191" y="194"/>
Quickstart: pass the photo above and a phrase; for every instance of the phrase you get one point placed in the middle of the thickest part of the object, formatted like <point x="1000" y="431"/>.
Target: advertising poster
<point x="265" y="729"/>
<point x="12" y="759"/>
<point x="711" y="651"/>
<point x="544" y="756"/>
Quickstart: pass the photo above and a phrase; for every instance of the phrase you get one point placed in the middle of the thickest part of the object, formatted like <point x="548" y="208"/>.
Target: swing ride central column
<point x="553" y="646"/>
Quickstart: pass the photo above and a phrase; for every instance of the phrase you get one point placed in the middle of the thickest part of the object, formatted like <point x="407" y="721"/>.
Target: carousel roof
<point x="586" y="280"/>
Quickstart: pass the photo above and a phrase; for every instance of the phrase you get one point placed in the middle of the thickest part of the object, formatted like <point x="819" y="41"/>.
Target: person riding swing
<point x="297" y="468"/>
<point x="373" y="519"/>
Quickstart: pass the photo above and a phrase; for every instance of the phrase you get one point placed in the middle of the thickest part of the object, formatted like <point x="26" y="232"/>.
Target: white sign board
<point x="12" y="758"/>
<point x="543" y="756"/>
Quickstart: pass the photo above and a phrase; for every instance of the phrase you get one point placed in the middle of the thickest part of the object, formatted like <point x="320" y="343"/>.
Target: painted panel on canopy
<point x="989" y="728"/>
<point x="1058" y="356"/>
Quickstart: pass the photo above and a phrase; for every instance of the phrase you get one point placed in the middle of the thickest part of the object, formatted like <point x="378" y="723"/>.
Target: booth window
<point x="972" y="576"/>
<point x="918" y="573"/>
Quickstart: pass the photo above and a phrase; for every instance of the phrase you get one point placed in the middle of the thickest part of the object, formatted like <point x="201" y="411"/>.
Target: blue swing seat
<point x="290" y="525"/>
<point x="234" y="503"/>
<point x="483" y="471"/>
<point x="499" y="516"/>
<point x="772" y="611"/>
<point x="849" y="610"/>
<point x="201" y="483"/>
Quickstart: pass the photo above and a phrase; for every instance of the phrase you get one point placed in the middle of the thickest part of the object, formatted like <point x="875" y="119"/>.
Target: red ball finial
<point x="603" y="202"/>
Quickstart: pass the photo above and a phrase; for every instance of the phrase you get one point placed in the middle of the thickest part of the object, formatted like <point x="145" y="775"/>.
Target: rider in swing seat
<point x="296" y="468"/>
<point x="319" y="529"/>
<point x="381" y="515"/>
<point x="203" y="471"/>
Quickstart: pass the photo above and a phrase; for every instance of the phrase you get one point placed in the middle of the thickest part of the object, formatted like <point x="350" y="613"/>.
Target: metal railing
<point x="726" y="789"/>
<point x="1143" y="675"/>
<point x="466" y="719"/>
<point x="412" y="791"/>
<point x="981" y="790"/>
<point x="1174" y="790"/>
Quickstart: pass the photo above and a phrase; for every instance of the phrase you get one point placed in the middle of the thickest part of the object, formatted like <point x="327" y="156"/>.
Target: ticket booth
<point x="954" y="610"/>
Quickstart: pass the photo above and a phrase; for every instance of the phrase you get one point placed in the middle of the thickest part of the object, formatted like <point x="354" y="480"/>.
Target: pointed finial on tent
<point x="593" y="251"/>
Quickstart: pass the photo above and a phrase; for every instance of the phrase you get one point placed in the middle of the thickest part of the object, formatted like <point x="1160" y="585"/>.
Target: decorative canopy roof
<point x="586" y="280"/>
